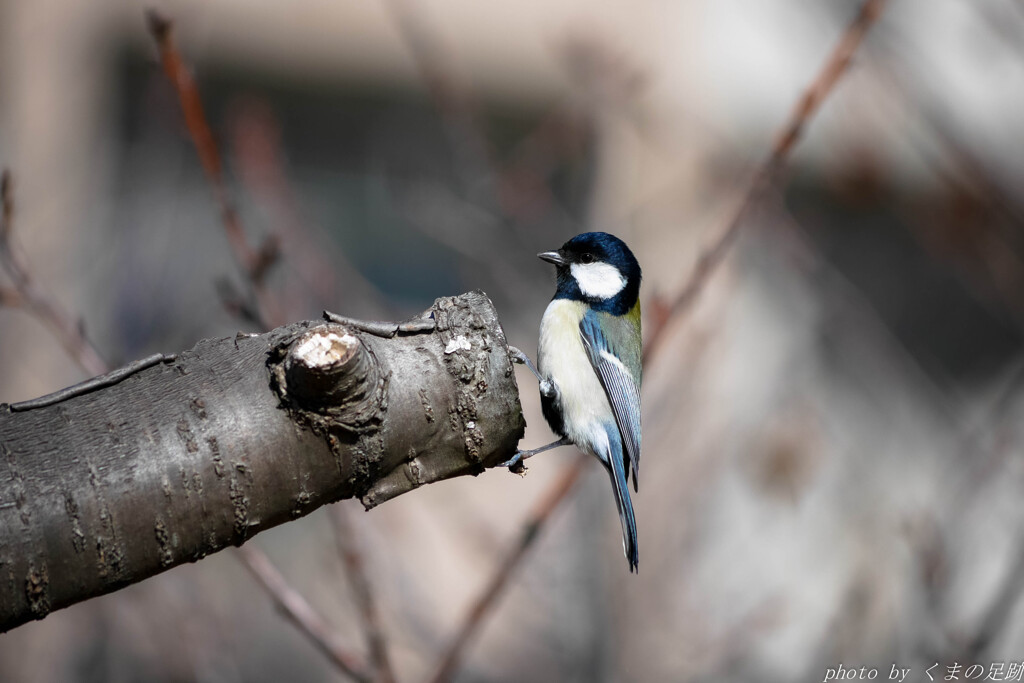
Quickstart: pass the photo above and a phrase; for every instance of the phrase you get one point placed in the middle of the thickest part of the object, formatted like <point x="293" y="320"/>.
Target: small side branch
<point x="89" y="385"/>
<point x="385" y="330"/>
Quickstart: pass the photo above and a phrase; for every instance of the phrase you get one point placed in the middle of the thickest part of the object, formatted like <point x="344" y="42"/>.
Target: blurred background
<point x="832" y="469"/>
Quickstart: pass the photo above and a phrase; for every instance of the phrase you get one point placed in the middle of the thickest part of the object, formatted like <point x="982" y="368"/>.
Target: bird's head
<point x="599" y="269"/>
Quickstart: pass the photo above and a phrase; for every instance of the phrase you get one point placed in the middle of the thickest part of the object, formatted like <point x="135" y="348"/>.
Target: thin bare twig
<point x="997" y="616"/>
<point x="474" y="157"/>
<point x="974" y="445"/>
<point x="869" y="321"/>
<point x="355" y="568"/>
<point x="484" y="180"/>
<point x="302" y="614"/>
<point x="26" y="295"/>
<point x="323" y="271"/>
<point x="984" y="460"/>
<point x="558" y="492"/>
<point x="788" y="136"/>
<point x="255" y="262"/>
<point x="955" y="164"/>
<point x="804" y="110"/>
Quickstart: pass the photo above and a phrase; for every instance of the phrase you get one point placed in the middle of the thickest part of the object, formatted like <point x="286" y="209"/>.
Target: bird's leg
<point x="523" y="455"/>
<point x="518" y="356"/>
<point x="547" y="389"/>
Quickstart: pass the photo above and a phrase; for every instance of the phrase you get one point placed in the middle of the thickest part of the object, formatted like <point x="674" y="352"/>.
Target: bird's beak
<point x="552" y="257"/>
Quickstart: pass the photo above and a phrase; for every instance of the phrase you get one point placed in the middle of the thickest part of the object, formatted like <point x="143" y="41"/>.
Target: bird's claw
<point x="517" y="356"/>
<point x="516" y="465"/>
<point x="516" y="462"/>
<point x="513" y="461"/>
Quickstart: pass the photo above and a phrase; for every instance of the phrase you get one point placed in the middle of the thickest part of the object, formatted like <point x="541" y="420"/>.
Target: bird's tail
<point x="617" y="470"/>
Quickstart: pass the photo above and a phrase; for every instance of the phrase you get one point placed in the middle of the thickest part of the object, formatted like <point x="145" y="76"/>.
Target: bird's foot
<point x="517" y="459"/>
<point x="547" y="387"/>
<point x="518" y="356"/>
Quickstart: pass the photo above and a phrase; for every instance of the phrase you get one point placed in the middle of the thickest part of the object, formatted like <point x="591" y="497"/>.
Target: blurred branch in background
<point x="353" y="559"/>
<point x="27" y="295"/>
<point x="803" y="112"/>
<point x="328" y="279"/>
<point x="980" y="232"/>
<point x="475" y="160"/>
<point x="510" y="560"/>
<point x="846" y="299"/>
<point x="302" y="614"/>
<point x="503" y="198"/>
<point x="979" y="448"/>
<point x="257" y="262"/>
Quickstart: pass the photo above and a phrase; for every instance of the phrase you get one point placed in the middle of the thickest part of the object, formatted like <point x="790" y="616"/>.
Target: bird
<point x="589" y="363"/>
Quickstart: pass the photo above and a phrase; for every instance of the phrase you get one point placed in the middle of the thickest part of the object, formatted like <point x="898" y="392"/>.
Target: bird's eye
<point x="587" y="258"/>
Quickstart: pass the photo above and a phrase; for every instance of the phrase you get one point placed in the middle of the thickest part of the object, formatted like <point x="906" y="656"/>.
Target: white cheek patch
<point x="598" y="280"/>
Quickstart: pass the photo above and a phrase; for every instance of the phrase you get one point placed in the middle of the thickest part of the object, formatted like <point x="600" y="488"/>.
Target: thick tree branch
<point x="203" y="450"/>
<point x="72" y="336"/>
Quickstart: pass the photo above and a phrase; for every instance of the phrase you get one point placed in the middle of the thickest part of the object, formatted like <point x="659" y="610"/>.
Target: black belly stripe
<point x="553" y="414"/>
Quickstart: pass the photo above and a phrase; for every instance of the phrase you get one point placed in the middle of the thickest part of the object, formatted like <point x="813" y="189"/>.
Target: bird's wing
<point x="619" y="375"/>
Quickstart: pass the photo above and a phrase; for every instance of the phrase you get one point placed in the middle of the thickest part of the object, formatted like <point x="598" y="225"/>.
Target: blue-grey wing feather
<point x="621" y="387"/>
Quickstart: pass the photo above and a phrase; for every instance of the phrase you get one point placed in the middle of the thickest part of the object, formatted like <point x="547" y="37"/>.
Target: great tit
<point x="589" y="362"/>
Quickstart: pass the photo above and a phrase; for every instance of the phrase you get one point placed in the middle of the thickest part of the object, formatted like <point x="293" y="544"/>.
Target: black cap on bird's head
<point x="599" y="269"/>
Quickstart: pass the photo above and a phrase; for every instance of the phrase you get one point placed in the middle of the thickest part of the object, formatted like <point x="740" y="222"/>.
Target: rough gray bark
<point x="202" y="451"/>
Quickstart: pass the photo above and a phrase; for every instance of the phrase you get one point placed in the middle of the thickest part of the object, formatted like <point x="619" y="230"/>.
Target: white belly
<point x="562" y="359"/>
